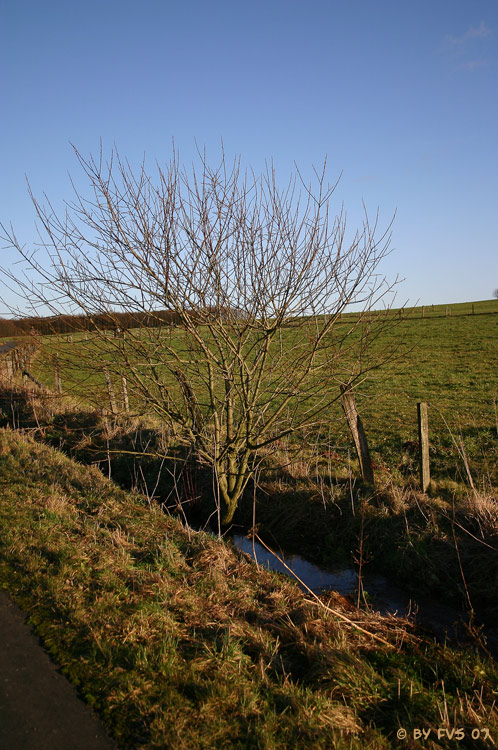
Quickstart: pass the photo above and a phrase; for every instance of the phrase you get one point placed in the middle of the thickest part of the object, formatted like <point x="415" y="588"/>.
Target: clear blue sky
<point x="401" y="95"/>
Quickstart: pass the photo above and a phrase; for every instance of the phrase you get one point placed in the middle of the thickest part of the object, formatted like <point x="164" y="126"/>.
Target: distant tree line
<point x="9" y="328"/>
<point x="58" y="324"/>
<point x="115" y="321"/>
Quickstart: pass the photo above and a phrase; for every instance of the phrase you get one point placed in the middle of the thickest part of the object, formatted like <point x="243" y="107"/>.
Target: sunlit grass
<point x="178" y="641"/>
<point x="448" y="361"/>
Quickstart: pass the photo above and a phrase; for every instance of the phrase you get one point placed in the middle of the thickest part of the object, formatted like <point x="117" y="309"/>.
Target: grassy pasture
<point x="449" y="360"/>
<point x="452" y="365"/>
<point x="454" y="309"/>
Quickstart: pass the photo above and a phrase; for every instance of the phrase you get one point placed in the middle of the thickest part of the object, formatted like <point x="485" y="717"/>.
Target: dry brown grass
<point x="178" y="640"/>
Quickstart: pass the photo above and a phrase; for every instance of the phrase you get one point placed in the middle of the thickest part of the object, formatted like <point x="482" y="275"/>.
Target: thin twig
<point x="460" y="561"/>
<point x="481" y="541"/>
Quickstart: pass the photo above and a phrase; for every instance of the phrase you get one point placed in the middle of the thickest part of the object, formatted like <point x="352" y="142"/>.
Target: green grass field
<point x="450" y="361"/>
<point x="451" y="365"/>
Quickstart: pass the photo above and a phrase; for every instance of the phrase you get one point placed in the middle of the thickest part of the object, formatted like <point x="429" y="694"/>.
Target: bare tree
<point x="495" y="293"/>
<point x="258" y="278"/>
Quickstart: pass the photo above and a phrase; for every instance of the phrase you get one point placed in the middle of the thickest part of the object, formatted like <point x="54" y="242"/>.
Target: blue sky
<point x="401" y="96"/>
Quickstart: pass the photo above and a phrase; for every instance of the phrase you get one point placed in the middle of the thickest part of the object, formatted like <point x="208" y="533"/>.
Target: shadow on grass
<point x="438" y="548"/>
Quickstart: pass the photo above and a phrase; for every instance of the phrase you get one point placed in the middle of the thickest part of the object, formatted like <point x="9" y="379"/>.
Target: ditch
<point x="381" y="594"/>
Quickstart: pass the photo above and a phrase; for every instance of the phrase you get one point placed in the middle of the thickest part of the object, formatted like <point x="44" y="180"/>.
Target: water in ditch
<point x="385" y="596"/>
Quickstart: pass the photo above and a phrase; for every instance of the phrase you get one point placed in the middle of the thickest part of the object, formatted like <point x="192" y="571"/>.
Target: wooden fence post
<point x="423" y="436"/>
<point x="57" y="375"/>
<point x="358" y="433"/>
<point x="126" y="403"/>
<point x="14" y="357"/>
<point x="112" y="400"/>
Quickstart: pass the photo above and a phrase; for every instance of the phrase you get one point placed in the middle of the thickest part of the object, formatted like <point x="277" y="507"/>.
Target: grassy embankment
<point x="179" y="642"/>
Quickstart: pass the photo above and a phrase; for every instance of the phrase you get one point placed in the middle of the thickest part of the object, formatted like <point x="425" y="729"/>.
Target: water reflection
<point x="344" y="580"/>
<point x="385" y="596"/>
